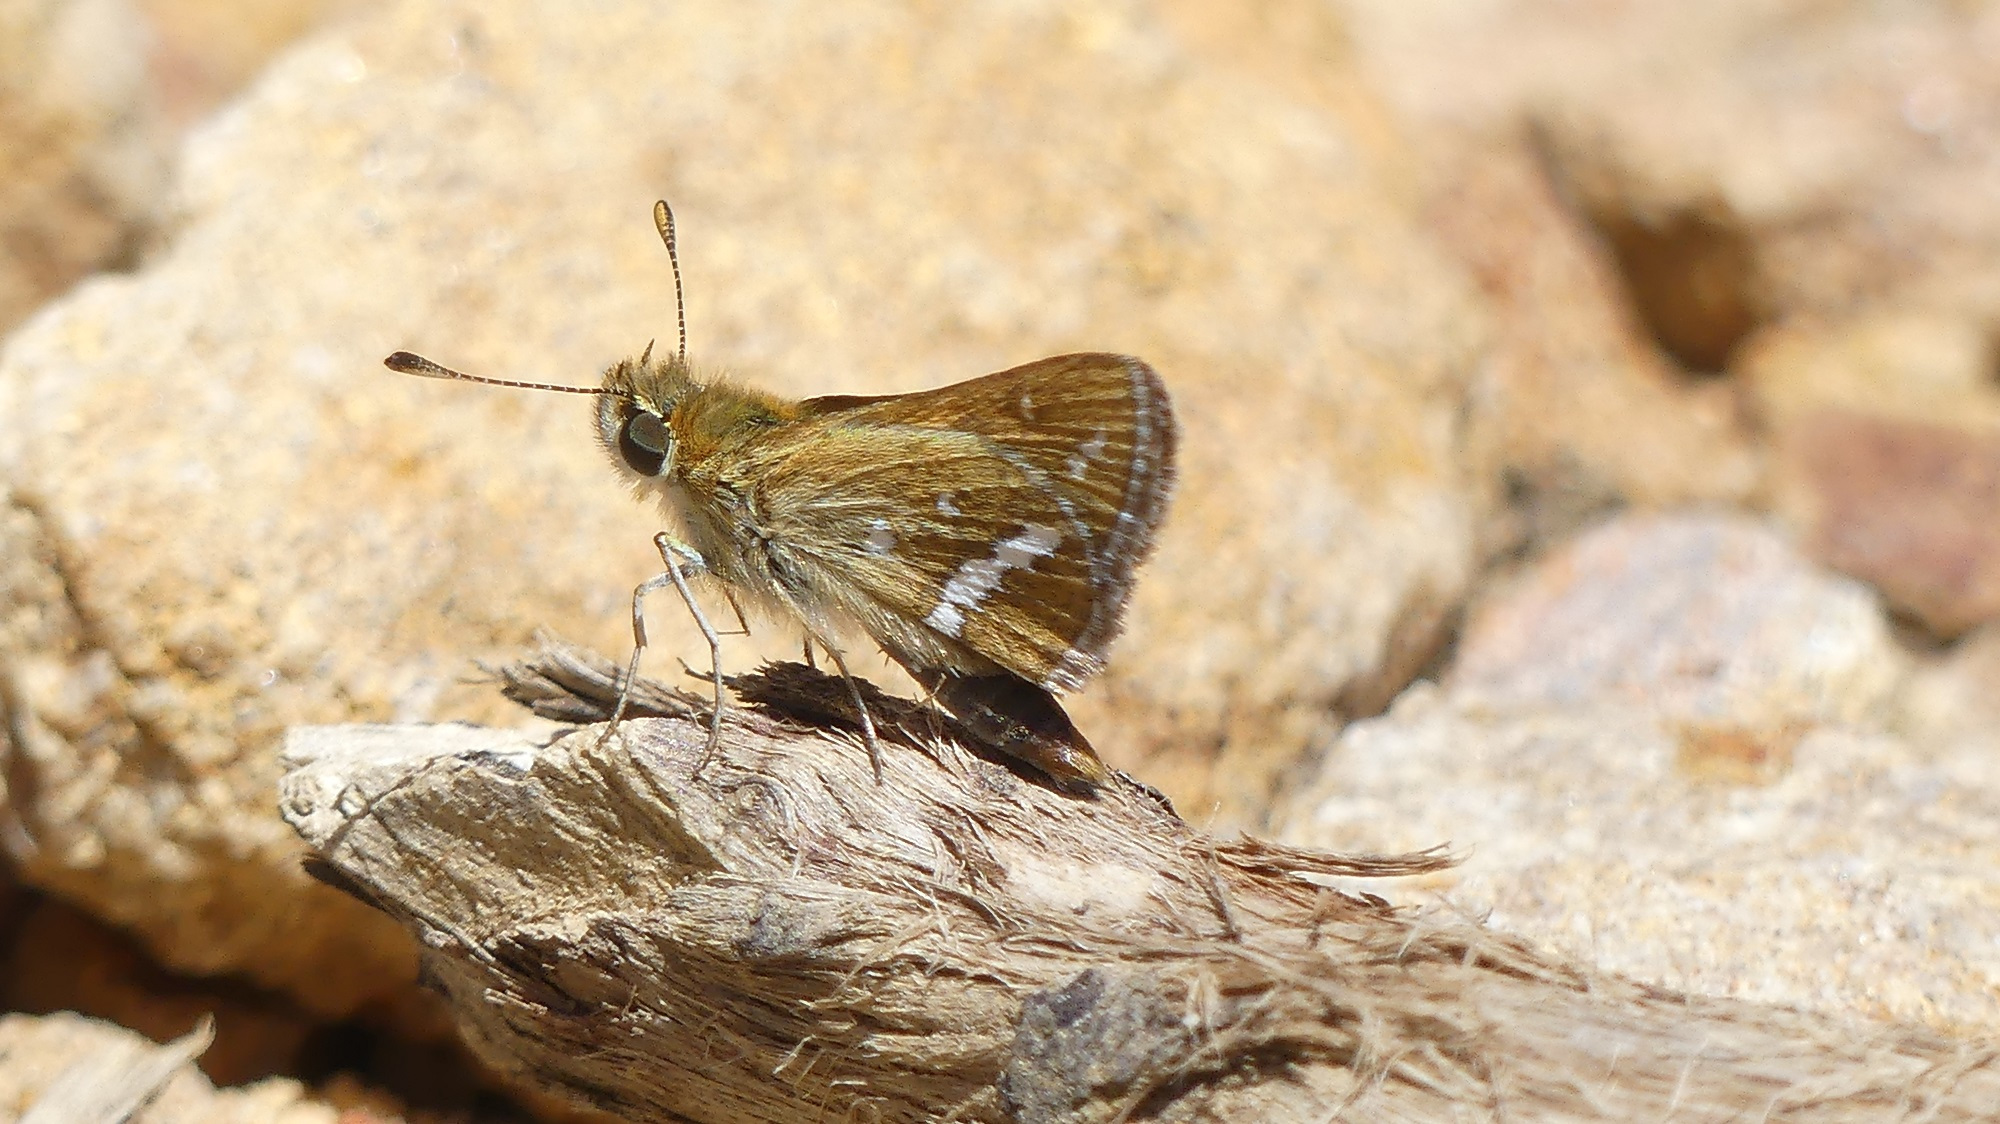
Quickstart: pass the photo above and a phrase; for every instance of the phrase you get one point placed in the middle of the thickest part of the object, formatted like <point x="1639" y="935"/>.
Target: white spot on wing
<point x="880" y="540"/>
<point x="1094" y="448"/>
<point x="966" y="590"/>
<point x="1034" y="541"/>
<point x="946" y="619"/>
<point x="1027" y="406"/>
<point x="947" y="504"/>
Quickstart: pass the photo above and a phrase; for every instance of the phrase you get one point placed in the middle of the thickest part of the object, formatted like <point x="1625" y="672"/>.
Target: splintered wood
<point x="782" y="938"/>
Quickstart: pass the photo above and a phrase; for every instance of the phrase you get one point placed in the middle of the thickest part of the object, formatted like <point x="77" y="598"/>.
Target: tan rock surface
<point x="1849" y="143"/>
<point x="1886" y="450"/>
<point x="64" y="1069"/>
<point x="1799" y="195"/>
<point x="1698" y="618"/>
<point x="204" y="52"/>
<point x="61" y="959"/>
<point x="95" y="96"/>
<point x="82" y="148"/>
<point x="225" y="518"/>
<point x="1574" y="404"/>
<point x="1671" y="749"/>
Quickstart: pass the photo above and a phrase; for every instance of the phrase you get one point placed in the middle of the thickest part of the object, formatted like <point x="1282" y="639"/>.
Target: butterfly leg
<point x="929" y="684"/>
<point x="860" y="706"/>
<point x="651" y="585"/>
<point x="742" y="625"/>
<point x="681" y="559"/>
<point x="674" y="552"/>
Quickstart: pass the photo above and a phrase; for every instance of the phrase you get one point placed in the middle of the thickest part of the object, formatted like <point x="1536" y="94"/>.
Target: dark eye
<point x="643" y="443"/>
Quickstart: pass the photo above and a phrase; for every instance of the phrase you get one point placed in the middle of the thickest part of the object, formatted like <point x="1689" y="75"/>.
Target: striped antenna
<point x="663" y="219"/>
<point x="408" y="364"/>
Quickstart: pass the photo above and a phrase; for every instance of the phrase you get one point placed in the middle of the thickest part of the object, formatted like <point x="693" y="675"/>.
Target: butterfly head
<point x="637" y="411"/>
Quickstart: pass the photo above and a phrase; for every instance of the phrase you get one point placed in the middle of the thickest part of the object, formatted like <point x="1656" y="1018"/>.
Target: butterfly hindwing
<point x="1005" y="513"/>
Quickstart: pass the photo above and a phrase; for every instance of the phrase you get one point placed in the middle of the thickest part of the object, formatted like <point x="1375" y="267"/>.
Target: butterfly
<point x="985" y="535"/>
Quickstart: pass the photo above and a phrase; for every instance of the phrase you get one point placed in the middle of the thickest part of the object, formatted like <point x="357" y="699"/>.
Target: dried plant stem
<point x="781" y="938"/>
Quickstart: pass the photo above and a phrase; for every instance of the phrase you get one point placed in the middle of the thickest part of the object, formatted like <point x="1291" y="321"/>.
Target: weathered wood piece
<point x="778" y="937"/>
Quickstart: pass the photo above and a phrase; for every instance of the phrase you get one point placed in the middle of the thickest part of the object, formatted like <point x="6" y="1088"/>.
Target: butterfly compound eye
<point x="643" y="443"/>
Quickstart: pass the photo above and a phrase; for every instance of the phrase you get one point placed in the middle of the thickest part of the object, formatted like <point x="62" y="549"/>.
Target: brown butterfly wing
<point x="1005" y="514"/>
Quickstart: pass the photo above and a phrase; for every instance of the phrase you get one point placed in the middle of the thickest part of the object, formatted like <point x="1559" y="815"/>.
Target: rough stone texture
<point x="1696" y="618"/>
<point x="1887" y="455"/>
<point x="1846" y="871"/>
<point x="1669" y="750"/>
<point x="65" y="1069"/>
<point x="224" y="517"/>
<point x="116" y="801"/>
<point x="203" y="52"/>
<point x="81" y="147"/>
<point x="1573" y="407"/>
<point x="1798" y="194"/>
<point x="63" y="959"/>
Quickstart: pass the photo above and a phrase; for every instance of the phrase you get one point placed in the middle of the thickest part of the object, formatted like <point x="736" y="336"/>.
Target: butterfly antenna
<point x="408" y="364"/>
<point x="663" y="218"/>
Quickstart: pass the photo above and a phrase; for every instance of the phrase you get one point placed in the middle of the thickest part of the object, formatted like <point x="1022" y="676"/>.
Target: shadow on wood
<point x="781" y="938"/>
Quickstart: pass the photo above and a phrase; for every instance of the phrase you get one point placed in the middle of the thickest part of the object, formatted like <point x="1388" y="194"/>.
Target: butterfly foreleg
<point x="631" y="676"/>
<point x="677" y="554"/>
<point x="681" y="560"/>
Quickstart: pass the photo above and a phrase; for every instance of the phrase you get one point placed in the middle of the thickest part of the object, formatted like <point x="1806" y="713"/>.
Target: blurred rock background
<point x="1591" y="444"/>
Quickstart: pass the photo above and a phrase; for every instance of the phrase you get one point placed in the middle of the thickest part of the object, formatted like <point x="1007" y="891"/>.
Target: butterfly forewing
<point x="1006" y="513"/>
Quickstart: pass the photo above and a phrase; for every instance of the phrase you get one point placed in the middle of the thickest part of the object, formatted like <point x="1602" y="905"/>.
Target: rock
<point x="62" y="959"/>
<point x="204" y="52"/>
<point x="224" y="518"/>
<point x="1697" y="618"/>
<point x="1574" y="406"/>
<point x="1799" y="198"/>
<point x="1575" y="410"/>
<point x="81" y="143"/>
<point x="1954" y="694"/>
<point x="60" y="1068"/>
<point x="1837" y="155"/>
<point x="1887" y="456"/>
<point x="1846" y="871"/>
<point x="95" y="96"/>
<point x="1671" y="749"/>
<point x="1913" y="508"/>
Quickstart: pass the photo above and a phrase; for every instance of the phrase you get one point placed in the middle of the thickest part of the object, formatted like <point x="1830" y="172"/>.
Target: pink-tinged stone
<point x="1702" y="619"/>
<point x="1912" y="507"/>
<point x="1678" y="749"/>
